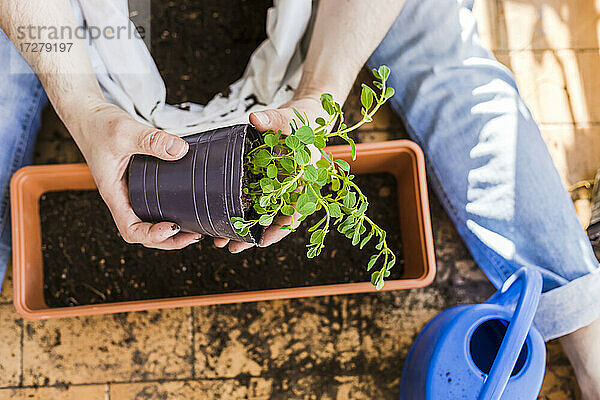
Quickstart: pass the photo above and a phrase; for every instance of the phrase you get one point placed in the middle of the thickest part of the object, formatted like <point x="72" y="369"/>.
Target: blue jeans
<point x="22" y="100"/>
<point x="487" y="161"/>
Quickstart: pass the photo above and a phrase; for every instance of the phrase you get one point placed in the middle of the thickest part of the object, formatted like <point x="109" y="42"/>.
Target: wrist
<point x="78" y="112"/>
<point x="313" y="84"/>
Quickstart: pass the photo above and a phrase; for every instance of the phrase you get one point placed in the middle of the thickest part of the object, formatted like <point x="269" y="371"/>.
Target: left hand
<point x="277" y="119"/>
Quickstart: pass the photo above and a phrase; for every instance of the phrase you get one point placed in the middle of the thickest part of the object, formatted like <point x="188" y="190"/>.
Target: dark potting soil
<point x="249" y="178"/>
<point x="201" y="47"/>
<point x="87" y="262"/>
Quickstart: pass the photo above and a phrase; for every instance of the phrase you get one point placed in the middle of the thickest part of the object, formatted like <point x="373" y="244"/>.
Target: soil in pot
<point x="86" y="262"/>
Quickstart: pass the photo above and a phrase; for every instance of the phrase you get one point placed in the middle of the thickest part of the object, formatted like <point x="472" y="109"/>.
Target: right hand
<point x="279" y="119"/>
<point x="108" y="137"/>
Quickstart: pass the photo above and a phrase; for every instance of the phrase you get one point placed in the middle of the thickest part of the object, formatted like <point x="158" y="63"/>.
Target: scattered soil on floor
<point x="87" y="262"/>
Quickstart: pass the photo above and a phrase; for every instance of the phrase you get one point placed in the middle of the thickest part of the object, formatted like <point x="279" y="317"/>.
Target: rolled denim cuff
<point x="569" y="307"/>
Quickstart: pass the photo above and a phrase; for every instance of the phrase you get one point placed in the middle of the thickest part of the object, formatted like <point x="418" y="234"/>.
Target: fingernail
<point x="175" y="227"/>
<point x="198" y="238"/>
<point x="176" y="146"/>
<point x="263" y="118"/>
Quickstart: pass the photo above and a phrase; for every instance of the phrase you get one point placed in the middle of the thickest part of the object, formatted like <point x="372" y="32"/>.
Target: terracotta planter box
<point x="402" y="158"/>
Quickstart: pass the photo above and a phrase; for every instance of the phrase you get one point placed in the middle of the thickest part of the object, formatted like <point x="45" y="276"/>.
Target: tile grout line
<point x="155" y="380"/>
<point x="193" y="340"/>
<point x="21" y="367"/>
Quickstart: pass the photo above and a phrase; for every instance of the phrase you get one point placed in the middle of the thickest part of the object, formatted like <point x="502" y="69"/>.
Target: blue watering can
<point x="486" y="351"/>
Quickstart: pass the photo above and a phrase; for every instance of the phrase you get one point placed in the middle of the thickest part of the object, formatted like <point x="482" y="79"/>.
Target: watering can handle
<point x="517" y="332"/>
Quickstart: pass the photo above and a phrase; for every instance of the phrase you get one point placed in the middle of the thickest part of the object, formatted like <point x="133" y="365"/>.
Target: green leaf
<point x="327" y="103"/>
<point x="303" y="199"/>
<point x="384" y="72"/>
<point x="302" y="157"/>
<point x="323" y="163"/>
<point x="389" y="92"/>
<point x="376" y="73"/>
<point x="292" y="186"/>
<point x="318" y="224"/>
<point x="266" y="185"/>
<point x="310" y="173"/>
<point x="320" y="142"/>
<point x="366" y="239"/>
<point x="287" y="210"/>
<point x="294" y="197"/>
<point x="264" y="201"/>
<point x="353" y="147"/>
<point x="334" y="210"/>
<point x="378" y="85"/>
<point x="259" y="209"/>
<point x="238" y="224"/>
<point x="372" y="261"/>
<point x="320" y="121"/>
<point x="343" y="165"/>
<point x="323" y="175"/>
<point x="350" y="200"/>
<point x="236" y="219"/>
<point x="262" y="158"/>
<point x="363" y="207"/>
<point x="244" y="231"/>
<point x="307" y="208"/>
<point x="270" y="140"/>
<point x="380" y="283"/>
<point x="356" y="237"/>
<point x="265" y="220"/>
<point x="347" y="225"/>
<point x="317" y="190"/>
<point x="292" y="142"/>
<point x="391" y="263"/>
<point x="366" y="96"/>
<point x="272" y="171"/>
<point x="317" y="236"/>
<point x="288" y="164"/>
<point x="335" y="184"/>
<point x="305" y="134"/>
<point x="300" y="117"/>
<point x="313" y="252"/>
<point x="375" y="277"/>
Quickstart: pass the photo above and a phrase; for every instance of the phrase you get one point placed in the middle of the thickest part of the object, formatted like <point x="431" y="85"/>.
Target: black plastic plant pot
<point x="201" y="191"/>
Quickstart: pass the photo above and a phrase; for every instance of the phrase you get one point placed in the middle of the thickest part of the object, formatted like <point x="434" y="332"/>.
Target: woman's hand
<point x="108" y="137"/>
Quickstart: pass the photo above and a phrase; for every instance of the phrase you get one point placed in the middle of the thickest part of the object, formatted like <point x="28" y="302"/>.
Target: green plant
<point x="285" y="177"/>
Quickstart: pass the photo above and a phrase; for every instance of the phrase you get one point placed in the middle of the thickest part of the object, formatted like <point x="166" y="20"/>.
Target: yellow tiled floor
<point x="87" y="392"/>
<point x="552" y="47"/>
<point x="289" y="349"/>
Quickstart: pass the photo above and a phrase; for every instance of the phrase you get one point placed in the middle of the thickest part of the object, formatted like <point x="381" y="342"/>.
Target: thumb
<point x="161" y="144"/>
<point x="270" y="120"/>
